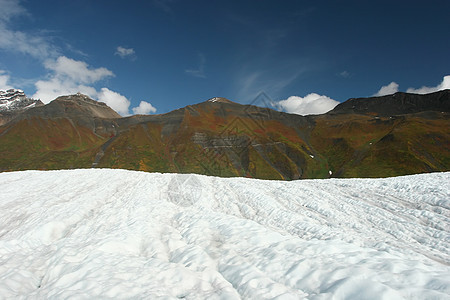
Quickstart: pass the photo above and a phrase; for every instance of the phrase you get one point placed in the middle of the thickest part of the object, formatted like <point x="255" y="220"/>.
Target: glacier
<point x="101" y="233"/>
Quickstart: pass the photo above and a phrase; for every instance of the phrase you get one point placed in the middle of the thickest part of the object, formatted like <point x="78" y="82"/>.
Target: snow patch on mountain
<point x="219" y="100"/>
<point x="124" y="234"/>
<point x="14" y="99"/>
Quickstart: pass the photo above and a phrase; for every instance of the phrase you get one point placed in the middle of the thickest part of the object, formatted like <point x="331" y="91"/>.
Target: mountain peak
<point x="219" y="100"/>
<point x="15" y="100"/>
<point x="81" y="98"/>
<point x="72" y="106"/>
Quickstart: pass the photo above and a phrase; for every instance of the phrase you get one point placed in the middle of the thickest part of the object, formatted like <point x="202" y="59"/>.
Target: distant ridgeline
<point x="385" y="136"/>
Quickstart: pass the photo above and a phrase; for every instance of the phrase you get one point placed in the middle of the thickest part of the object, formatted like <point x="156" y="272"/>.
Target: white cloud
<point x="114" y="100"/>
<point x="392" y="88"/>
<point x="77" y="71"/>
<point x="48" y="90"/>
<point x="66" y="76"/>
<point x="445" y="84"/>
<point x="311" y="104"/>
<point x="125" y="52"/>
<point x="389" y="89"/>
<point x="4" y="79"/>
<point x="144" y="108"/>
<point x="69" y="76"/>
<point x="53" y="88"/>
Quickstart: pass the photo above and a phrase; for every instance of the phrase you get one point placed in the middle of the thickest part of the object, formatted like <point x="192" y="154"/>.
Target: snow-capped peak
<point x="219" y="99"/>
<point x="15" y="99"/>
<point x="11" y="93"/>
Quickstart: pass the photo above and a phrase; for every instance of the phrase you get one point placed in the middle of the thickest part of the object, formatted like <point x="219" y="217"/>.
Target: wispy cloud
<point x="72" y="49"/>
<point x="34" y="44"/>
<point x="200" y="71"/>
<point x="26" y="43"/>
<point x="344" y="74"/>
<point x="165" y="5"/>
<point x="252" y="83"/>
<point x="11" y="9"/>
<point x="273" y="37"/>
<point x="125" y="52"/>
<point x="4" y="81"/>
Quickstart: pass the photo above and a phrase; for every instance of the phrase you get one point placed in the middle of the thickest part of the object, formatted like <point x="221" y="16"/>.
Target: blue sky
<point x="156" y="56"/>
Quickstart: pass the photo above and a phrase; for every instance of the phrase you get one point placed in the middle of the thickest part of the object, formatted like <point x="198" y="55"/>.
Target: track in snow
<point x="125" y="234"/>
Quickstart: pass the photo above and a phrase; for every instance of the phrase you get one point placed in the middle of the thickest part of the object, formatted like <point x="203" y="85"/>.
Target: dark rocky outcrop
<point x="396" y="104"/>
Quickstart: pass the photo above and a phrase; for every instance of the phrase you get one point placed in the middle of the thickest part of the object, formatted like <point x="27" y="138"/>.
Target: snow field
<point x="126" y="234"/>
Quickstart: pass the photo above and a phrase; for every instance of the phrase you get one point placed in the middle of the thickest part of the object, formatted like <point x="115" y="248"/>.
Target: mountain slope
<point x="123" y="234"/>
<point x="63" y="134"/>
<point x="214" y="138"/>
<point x="364" y="146"/>
<point x="223" y="138"/>
<point x="228" y="139"/>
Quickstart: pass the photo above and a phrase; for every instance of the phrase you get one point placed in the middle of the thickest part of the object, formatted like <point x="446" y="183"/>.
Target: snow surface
<point x="125" y="234"/>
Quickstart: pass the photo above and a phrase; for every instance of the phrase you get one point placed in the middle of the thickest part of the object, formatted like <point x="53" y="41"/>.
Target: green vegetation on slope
<point x="222" y="142"/>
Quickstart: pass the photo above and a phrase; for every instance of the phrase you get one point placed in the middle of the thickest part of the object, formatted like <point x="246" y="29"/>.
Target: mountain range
<point x="384" y="136"/>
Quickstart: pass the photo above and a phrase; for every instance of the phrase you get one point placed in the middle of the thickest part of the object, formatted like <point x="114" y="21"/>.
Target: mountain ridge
<point x="395" y="104"/>
<point x="224" y="138"/>
<point x="71" y="106"/>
